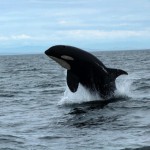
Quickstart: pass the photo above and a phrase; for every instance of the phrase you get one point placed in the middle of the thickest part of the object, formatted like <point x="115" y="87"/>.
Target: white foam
<point x="82" y="95"/>
<point x="123" y="84"/>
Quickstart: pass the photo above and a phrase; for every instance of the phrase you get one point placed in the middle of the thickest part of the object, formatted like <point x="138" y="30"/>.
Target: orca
<point x="86" y="69"/>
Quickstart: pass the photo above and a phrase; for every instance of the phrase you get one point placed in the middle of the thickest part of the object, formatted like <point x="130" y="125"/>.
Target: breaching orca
<point x="84" y="68"/>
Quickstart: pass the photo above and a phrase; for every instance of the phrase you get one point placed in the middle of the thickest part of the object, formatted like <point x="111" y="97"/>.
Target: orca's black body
<point x="84" y="68"/>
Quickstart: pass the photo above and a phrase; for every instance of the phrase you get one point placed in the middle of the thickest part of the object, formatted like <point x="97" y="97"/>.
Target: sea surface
<point x="38" y="112"/>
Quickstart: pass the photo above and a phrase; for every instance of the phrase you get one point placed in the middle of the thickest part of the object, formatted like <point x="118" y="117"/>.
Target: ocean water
<point x="38" y="112"/>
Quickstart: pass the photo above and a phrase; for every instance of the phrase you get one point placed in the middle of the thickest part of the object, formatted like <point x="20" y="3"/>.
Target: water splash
<point x="124" y="86"/>
<point x="82" y="95"/>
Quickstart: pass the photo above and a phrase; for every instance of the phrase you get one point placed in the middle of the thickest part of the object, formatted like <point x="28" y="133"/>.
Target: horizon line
<point x="89" y="50"/>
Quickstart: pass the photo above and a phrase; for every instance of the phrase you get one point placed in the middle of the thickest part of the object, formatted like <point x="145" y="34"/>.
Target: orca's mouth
<point x="61" y="62"/>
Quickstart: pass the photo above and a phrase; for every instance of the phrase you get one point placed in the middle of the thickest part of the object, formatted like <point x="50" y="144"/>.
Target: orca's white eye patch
<point x="67" y="57"/>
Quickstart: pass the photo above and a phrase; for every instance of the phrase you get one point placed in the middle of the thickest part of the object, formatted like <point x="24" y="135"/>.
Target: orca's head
<point x="61" y="55"/>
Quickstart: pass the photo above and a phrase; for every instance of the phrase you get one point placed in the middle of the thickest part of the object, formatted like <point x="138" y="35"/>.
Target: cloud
<point x="77" y="35"/>
<point x="21" y="37"/>
<point x="103" y="35"/>
<point x="15" y="37"/>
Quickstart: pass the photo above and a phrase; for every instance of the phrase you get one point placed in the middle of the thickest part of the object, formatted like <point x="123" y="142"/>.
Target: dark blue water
<point x="38" y="112"/>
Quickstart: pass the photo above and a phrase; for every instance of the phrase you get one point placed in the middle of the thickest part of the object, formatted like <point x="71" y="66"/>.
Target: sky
<point x="32" y="26"/>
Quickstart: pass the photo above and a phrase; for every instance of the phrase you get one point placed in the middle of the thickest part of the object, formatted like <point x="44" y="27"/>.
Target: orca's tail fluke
<point x="114" y="73"/>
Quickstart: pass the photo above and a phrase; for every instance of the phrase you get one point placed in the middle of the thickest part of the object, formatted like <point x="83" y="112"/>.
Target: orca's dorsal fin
<point x="72" y="81"/>
<point x="114" y="73"/>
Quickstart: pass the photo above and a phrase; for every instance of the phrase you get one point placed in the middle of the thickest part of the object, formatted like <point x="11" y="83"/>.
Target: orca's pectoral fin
<point x="114" y="73"/>
<point x="72" y="81"/>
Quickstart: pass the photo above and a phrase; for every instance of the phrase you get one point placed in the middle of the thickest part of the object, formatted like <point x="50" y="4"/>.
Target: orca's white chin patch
<point x="67" y="57"/>
<point x="61" y="62"/>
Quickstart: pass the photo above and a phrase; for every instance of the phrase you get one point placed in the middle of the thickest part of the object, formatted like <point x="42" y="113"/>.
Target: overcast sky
<point x="31" y="26"/>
